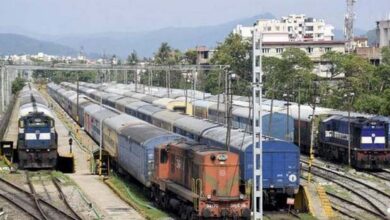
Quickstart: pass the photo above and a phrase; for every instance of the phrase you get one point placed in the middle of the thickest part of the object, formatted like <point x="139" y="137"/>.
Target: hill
<point x="20" y="44"/>
<point x="146" y="43"/>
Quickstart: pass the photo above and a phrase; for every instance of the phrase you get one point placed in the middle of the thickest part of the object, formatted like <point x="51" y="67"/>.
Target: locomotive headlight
<point x="48" y="150"/>
<point x="27" y="150"/>
<point x="242" y="196"/>
<point x="208" y="197"/>
<point x="222" y="157"/>
<point x="292" y="178"/>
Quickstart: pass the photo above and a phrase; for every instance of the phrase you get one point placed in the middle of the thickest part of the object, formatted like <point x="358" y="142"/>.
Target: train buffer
<point x="7" y="154"/>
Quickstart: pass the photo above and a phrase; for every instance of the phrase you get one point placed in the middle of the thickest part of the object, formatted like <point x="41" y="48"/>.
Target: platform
<point x="317" y="201"/>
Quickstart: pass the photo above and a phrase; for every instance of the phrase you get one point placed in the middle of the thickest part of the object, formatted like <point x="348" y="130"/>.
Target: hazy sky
<point x="90" y="16"/>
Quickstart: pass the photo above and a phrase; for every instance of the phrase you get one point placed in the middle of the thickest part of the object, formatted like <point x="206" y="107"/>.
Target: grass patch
<point x="342" y="193"/>
<point x="306" y="216"/>
<point x="133" y="195"/>
<point x="65" y="180"/>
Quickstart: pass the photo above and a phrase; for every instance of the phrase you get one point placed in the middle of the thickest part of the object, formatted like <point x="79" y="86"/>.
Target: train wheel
<point x="183" y="212"/>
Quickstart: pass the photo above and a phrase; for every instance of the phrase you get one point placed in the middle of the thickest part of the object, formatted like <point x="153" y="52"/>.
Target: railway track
<point x="384" y="175"/>
<point x="348" y="208"/>
<point x="30" y="203"/>
<point x="48" y="213"/>
<point x="377" y="199"/>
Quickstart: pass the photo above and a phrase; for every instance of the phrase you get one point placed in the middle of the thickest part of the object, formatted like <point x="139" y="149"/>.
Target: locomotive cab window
<point x="163" y="156"/>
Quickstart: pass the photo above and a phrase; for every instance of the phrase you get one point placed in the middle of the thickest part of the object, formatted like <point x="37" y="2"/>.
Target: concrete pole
<point x="2" y="89"/>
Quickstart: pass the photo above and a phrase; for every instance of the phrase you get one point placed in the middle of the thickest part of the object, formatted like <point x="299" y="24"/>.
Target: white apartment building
<point x="290" y="28"/>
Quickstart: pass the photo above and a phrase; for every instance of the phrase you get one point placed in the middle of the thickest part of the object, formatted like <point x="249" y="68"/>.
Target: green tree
<point x="191" y="56"/>
<point x="17" y="85"/>
<point x="132" y="59"/>
<point x="386" y="55"/>
<point x="236" y="53"/>
<point x="369" y="103"/>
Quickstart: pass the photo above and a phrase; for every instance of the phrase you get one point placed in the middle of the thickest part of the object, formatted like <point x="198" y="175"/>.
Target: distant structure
<point x="313" y="36"/>
<point x="349" y="18"/>
<point x="383" y="32"/>
<point x="292" y="28"/>
<point x="204" y="55"/>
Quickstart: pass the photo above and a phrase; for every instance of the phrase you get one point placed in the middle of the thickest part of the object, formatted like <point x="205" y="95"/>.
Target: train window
<point x="52" y="123"/>
<point x="163" y="156"/>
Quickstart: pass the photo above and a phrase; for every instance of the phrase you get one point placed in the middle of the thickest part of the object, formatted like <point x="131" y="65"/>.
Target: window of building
<point x="266" y="50"/>
<point x="269" y="28"/>
<point x="309" y="28"/>
<point x="279" y="50"/>
<point x="309" y="50"/>
<point x="328" y="49"/>
<point x="277" y="28"/>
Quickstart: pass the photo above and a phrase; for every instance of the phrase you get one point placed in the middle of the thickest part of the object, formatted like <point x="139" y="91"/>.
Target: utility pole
<point x="257" y="87"/>
<point x="311" y="152"/>
<point x="349" y="98"/>
<point x="349" y="19"/>
<point x="229" y="104"/>
<point x="299" y="112"/>
<point x="287" y="96"/>
<point x="77" y="91"/>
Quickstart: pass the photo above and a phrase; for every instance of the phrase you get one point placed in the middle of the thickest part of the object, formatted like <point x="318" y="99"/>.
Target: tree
<point x="191" y="56"/>
<point x="132" y="59"/>
<point x="335" y="60"/>
<point x="163" y="54"/>
<point x="17" y="85"/>
<point x="236" y="53"/>
<point x="369" y="103"/>
<point x="386" y="55"/>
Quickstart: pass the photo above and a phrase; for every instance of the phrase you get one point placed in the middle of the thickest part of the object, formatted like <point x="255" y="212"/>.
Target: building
<point x="204" y="55"/>
<point x="360" y="42"/>
<point x="290" y="28"/>
<point x="383" y="32"/>
<point x="373" y="54"/>
<point x="314" y="49"/>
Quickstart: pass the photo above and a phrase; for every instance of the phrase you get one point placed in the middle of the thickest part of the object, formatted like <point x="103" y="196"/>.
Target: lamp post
<point x="349" y="97"/>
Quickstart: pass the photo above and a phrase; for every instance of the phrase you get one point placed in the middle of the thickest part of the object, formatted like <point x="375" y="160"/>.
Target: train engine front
<point x="368" y="141"/>
<point x="199" y="182"/>
<point x="37" y="137"/>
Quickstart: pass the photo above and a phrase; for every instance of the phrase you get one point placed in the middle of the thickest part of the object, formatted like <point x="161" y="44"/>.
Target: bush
<point x="18" y="85"/>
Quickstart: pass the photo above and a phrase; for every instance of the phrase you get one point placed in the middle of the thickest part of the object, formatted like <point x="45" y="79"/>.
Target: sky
<point x="59" y="17"/>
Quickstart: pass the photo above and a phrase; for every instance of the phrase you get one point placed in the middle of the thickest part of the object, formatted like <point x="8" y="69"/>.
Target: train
<point x="367" y="138"/>
<point x="37" y="141"/>
<point x="193" y="179"/>
<point x="287" y="120"/>
<point x="281" y="158"/>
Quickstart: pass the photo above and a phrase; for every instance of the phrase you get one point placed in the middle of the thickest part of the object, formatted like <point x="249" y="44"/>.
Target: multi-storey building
<point x="383" y="32"/>
<point x="290" y="28"/>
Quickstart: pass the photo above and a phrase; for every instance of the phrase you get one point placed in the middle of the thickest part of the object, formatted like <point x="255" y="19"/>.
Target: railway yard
<point x="74" y="190"/>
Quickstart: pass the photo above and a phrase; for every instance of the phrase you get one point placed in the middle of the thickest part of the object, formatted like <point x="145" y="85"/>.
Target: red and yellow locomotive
<point x="198" y="181"/>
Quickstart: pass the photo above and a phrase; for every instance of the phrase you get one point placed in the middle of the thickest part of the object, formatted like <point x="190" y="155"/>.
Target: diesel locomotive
<point x="37" y="137"/>
<point x="367" y="139"/>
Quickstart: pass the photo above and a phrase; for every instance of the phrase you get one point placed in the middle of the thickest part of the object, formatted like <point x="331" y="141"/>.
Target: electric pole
<point x="257" y="135"/>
